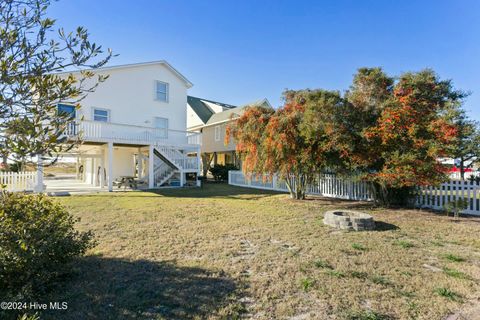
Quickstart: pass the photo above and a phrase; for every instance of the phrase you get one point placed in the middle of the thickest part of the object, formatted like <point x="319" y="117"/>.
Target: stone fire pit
<point x="349" y="220"/>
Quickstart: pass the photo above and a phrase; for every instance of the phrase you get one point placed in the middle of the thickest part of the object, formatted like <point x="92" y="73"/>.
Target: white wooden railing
<point x="18" y="181"/>
<point x="327" y="185"/>
<point x="437" y="197"/>
<point x="194" y="138"/>
<point x="182" y="160"/>
<point x="107" y="131"/>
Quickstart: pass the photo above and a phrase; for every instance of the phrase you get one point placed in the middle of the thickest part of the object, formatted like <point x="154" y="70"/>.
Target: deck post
<point x="92" y="169"/>
<point x="199" y="161"/>
<point x="140" y="164"/>
<point x="110" y="166"/>
<point x="96" y="176"/>
<point x="150" y="167"/>
<point x="77" y="169"/>
<point x="182" y="178"/>
<point x="104" y="165"/>
<point x="39" y="186"/>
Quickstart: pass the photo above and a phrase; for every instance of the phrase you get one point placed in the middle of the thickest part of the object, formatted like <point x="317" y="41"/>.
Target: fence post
<point x="39" y="186"/>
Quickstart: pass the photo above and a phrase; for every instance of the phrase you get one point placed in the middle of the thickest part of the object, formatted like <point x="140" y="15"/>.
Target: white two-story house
<point x="133" y="126"/>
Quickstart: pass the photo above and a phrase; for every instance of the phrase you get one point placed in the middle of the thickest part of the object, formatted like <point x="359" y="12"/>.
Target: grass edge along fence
<point x="329" y="185"/>
<point x="326" y="185"/>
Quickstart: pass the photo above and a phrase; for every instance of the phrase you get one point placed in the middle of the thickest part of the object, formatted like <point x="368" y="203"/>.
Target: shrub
<point x="37" y="243"/>
<point x="456" y="206"/>
<point x="220" y="171"/>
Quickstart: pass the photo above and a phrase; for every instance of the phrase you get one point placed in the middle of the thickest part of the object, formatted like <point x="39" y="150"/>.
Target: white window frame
<point x="100" y="109"/>
<point x="167" y="89"/>
<point x="218" y="133"/>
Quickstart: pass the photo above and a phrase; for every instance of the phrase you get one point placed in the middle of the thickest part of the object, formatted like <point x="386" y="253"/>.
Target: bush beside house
<point x="220" y="171"/>
<point x="37" y="243"/>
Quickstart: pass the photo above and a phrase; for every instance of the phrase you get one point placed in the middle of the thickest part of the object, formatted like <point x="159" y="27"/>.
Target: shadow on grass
<point x="209" y="190"/>
<point x="106" y="288"/>
<point x="385" y="226"/>
<point x="212" y="190"/>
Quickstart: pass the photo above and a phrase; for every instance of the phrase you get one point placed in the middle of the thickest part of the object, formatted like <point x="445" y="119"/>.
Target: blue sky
<point x="239" y="51"/>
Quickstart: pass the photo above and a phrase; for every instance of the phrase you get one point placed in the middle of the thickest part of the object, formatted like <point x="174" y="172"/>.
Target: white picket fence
<point x="329" y="185"/>
<point x="453" y="190"/>
<point x="326" y="185"/>
<point x="18" y="181"/>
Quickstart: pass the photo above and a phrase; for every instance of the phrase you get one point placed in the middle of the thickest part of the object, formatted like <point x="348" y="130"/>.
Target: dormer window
<point x="161" y="91"/>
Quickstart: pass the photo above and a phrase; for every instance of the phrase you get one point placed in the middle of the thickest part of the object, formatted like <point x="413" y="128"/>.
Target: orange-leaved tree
<point x="273" y="142"/>
<point x="399" y="138"/>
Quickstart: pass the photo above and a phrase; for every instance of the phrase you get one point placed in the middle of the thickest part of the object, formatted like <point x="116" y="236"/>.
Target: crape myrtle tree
<point x="399" y="129"/>
<point x="32" y="54"/>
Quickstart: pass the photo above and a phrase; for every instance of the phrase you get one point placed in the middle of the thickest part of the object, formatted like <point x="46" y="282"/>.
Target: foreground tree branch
<point x="32" y="59"/>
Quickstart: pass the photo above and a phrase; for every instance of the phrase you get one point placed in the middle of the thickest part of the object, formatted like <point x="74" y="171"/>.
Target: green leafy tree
<point x="32" y="56"/>
<point x="466" y="147"/>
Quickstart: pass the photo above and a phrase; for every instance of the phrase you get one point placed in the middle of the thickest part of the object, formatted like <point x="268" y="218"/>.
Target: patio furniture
<point x="126" y="181"/>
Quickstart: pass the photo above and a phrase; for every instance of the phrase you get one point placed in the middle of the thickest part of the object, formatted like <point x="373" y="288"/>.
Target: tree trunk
<point x="462" y="169"/>
<point x="297" y="191"/>
<point x="206" y="160"/>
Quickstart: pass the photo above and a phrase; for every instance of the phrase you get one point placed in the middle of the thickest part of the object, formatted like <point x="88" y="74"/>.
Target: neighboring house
<point x="134" y="127"/>
<point x="211" y="119"/>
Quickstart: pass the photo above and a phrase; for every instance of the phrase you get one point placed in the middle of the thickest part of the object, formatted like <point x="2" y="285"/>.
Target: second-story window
<point x="161" y="91"/>
<point x="101" y="115"/>
<point x="217" y="133"/>
<point x="66" y="110"/>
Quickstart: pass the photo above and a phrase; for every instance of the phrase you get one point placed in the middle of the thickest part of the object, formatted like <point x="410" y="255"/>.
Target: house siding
<point x="208" y="140"/>
<point x="129" y="94"/>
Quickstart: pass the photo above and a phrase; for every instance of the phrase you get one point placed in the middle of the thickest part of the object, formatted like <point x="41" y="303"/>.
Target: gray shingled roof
<point x="202" y="110"/>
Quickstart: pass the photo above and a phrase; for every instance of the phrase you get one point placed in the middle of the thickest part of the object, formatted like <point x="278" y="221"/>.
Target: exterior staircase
<point x="162" y="172"/>
<point x="162" y="169"/>
<point x="176" y="157"/>
<point x="170" y="160"/>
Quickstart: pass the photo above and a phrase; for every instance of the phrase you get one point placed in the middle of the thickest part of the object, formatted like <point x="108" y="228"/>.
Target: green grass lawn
<point x="222" y="252"/>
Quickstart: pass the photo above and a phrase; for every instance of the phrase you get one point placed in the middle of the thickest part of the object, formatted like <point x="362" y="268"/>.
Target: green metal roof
<point x="202" y="110"/>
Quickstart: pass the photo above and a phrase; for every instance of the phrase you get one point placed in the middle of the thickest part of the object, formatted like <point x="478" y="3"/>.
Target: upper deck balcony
<point x="97" y="131"/>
